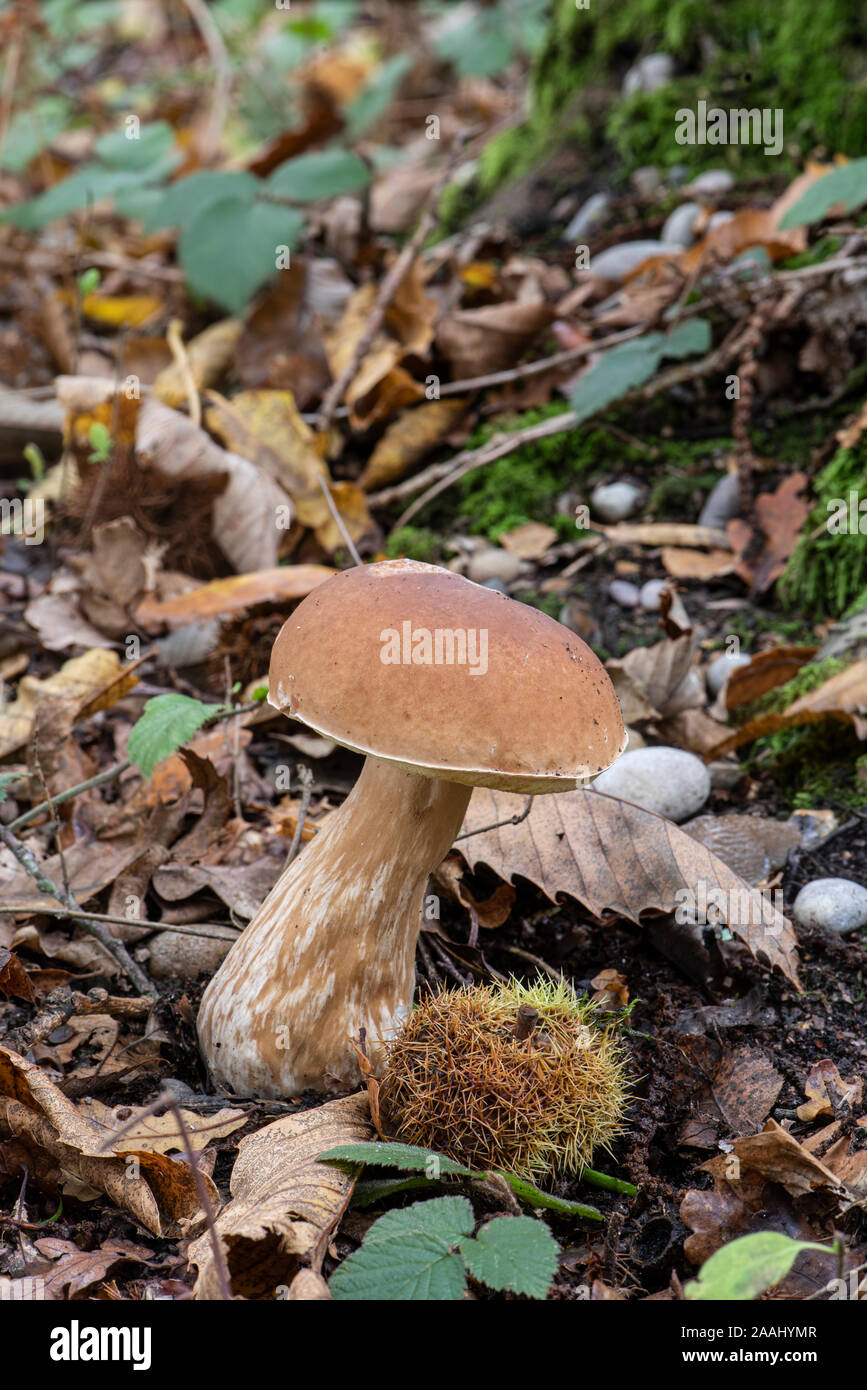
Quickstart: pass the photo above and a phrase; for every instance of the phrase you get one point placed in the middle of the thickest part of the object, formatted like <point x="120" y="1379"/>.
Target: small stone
<point x="179" y="1090"/>
<point x="677" y="174"/>
<point x="836" y="904"/>
<point x="174" y="956"/>
<point x="496" y="584"/>
<point x="646" y="180"/>
<point x="624" y="593"/>
<point x="616" y="501"/>
<point x="494" y="563"/>
<point x="722" y="504"/>
<point x="588" y="218"/>
<point x="725" y="774"/>
<point x="634" y="739"/>
<point x="720" y="669"/>
<point x="651" y="594"/>
<point x="619" y="261"/>
<point x="669" y="781"/>
<point x="649" y="74"/>
<point x="679" y="225"/>
<point x="719" y="219"/>
<point x="712" y="182"/>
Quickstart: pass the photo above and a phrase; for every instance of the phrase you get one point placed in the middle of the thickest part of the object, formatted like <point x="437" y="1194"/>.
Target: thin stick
<point x="338" y="520"/>
<point x="512" y="820"/>
<point x="213" y="41"/>
<point x="180" y="928"/>
<point x="182" y="362"/>
<point x="44" y="806"/>
<point x="541" y="364"/>
<point x="111" y="944"/>
<point x="306" y="777"/>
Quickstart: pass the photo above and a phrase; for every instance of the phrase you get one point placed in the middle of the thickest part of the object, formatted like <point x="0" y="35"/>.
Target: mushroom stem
<point x="332" y="948"/>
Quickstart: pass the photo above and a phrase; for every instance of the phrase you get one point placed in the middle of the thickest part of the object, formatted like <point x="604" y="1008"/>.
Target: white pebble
<point x="588" y="218"/>
<point x="619" y="261"/>
<point x="669" y="781"/>
<point x="494" y="563"/>
<point x="837" y="904"/>
<point x="649" y="74"/>
<point x="615" y="501"/>
<point x="624" y="593"/>
<point x="678" y="229"/>
<point x="723" y="502"/>
<point x="712" y="182"/>
<point x="720" y="669"/>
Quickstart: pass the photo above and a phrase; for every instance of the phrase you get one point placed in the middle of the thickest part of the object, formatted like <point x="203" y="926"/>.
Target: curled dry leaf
<point x="159" y="1133"/>
<point x="284" y="1203"/>
<point x="730" y="1090"/>
<point x="826" y="1091"/>
<point x="235" y="594"/>
<point x="83" y="686"/>
<point x="73" y="1270"/>
<point x="616" y="858"/>
<point x="753" y="846"/>
<point x="765" y="672"/>
<point x="778" y="1157"/>
<point x="842" y="697"/>
<point x="89" y="868"/>
<point x="530" y="541"/>
<point x="161" y="1195"/>
<point x="408" y="439"/>
<point x="14" y="981"/>
<point x="476" y="341"/>
<point x="653" y="681"/>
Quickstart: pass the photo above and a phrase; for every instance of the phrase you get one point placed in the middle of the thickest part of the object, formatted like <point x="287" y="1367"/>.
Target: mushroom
<point x="443" y="685"/>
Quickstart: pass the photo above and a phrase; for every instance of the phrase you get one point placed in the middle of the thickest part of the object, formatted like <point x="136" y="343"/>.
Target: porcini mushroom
<point x="443" y="685"/>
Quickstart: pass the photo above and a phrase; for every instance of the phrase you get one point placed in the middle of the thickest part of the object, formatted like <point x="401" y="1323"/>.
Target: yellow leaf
<point x="121" y="311"/>
<point x="82" y="686"/>
<point x="209" y="354"/>
<point x="407" y="439"/>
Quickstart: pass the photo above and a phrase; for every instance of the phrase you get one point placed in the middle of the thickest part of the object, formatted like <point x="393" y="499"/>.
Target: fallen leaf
<point x="730" y="1092"/>
<point x="843" y="697"/>
<point x="477" y="341"/>
<point x="83" y="686"/>
<point x="530" y="541"/>
<point x="612" y="991"/>
<point x="233" y="595"/>
<point x="696" y="564"/>
<point x="159" y="1133"/>
<point x="765" y="672"/>
<point x="408" y="439"/>
<point x="121" y="310"/>
<point x="73" y="1271"/>
<point x="753" y="846"/>
<point x="160" y="1195"/>
<point x="776" y="1155"/>
<point x="14" y="981"/>
<point x="284" y="1202"/>
<point x="781" y="516"/>
<point x="209" y="355"/>
<point x="826" y="1091"/>
<point x="659" y="676"/>
<point x="616" y="858"/>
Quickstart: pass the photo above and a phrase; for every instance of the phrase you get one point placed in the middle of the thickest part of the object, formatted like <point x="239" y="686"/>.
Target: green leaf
<point x="846" y="185"/>
<point x="167" y="722"/>
<point x="321" y="175"/>
<point x="406" y="1156"/>
<point x="150" y="147"/>
<point x="88" y="185"/>
<point x="517" y="1253"/>
<point x="31" y="131"/>
<point x="182" y="202"/>
<point x="6" y="779"/>
<point x="230" y="249"/>
<point x="747" y="1266"/>
<point x="407" y="1255"/>
<point x="376" y="97"/>
<point x="687" y="338"/>
<point x="371" y="1190"/>
<point x="618" y="371"/>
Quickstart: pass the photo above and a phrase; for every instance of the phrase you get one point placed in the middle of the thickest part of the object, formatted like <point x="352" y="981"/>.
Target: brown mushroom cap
<point x="542" y="716"/>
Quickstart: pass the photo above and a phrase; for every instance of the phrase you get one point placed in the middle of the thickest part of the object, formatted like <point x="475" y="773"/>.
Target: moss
<point x="416" y="543"/>
<point x="546" y="603"/>
<point x="827" y="572"/>
<point x="806" y="59"/>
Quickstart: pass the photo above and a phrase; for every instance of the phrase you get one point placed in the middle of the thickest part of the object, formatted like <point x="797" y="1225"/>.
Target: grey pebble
<point x="669" y="781"/>
<point x="678" y="228"/>
<point x="837" y="904"/>
<point x="723" y="502"/>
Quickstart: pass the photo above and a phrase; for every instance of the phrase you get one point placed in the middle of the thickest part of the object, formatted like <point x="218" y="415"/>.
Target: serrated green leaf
<point x="747" y="1267"/>
<point x="846" y="185"/>
<point x="230" y="249"/>
<point x="375" y="98"/>
<point x="324" y="174"/>
<point x="407" y="1255"/>
<point x="517" y="1253"/>
<point x="687" y="338"/>
<point x="32" y="130"/>
<point x="367" y="1191"/>
<point x="617" y="371"/>
<point x="168" y="722"/>
<point x="182" y="202"/>
<point x="407" y="1156"/>
<point x="5" y="780"/>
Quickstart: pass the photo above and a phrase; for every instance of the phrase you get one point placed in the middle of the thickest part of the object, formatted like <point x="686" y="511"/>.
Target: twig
<point x="213" y="41"/>
<point x="167" y="1100"/>
<point x="306" y="777"/>
<point x="512" y="820"/>
<point x="338" y="520"/>
<point x="503" y="444"/>
<point x="45" y="806"/>
<point x="62" y="1003"/>
<point x="541" y="364"/>
<point x="180" y="928"/>
<point x="111" y="944"/>
<point x="182" y="362"/>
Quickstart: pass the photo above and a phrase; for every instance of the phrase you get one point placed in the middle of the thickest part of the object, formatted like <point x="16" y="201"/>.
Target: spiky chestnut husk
<point x="459" y="1081"/>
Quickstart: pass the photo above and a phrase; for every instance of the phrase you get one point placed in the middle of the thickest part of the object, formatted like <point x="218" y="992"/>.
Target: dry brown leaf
<point x="826" y="1091"/>
<point x="777" y="1156"/>
<point x="748" y="227"/>
<point x="82" y="686"/>
<point x="233" y="595"/>
<point x="476" y="341"/>
<point x="696" y="564"/>
<point x="656" y="675"/>
<point x="781" y="516"/>
<point x="14" y="981"/>
<point x="753" y="846"/>
<point x="847" y="438"/>
<point x="283" y="1203"/>
<point x="616" y="858"/>
<point x="530" y="541"/>
<point x="73" y="1270"/>
<point x="765" y="672"/>
<point x="382" y="386"/>
<point x="281" y="346"/>
<point x="160" y="1195"/>
<point x="730" y="1090"/>
<point x="490" y="914"/>
<point x="159" y="1133"/>
<point x="209" y="355"/>
<point x="612" y="991"/>
<point x="408" y="439"/>
<point x="842" y="697"/>
<point x="90" y="867"/>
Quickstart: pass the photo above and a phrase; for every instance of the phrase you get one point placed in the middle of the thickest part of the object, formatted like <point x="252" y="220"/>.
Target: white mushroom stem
<point x="332" y="948"/>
